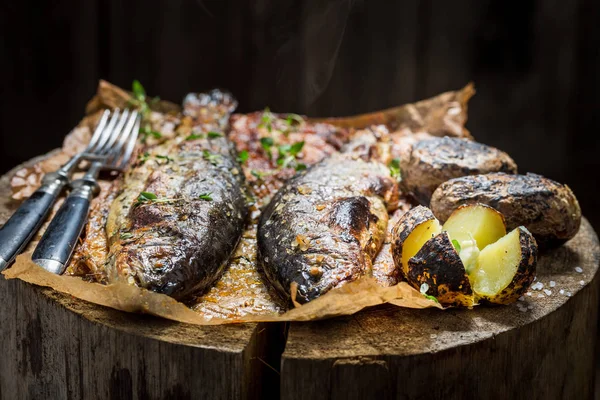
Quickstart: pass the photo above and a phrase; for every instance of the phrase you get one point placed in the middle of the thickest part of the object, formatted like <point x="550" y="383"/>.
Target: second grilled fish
<point x="183" y="207"/>
<point x="325" y="226"/>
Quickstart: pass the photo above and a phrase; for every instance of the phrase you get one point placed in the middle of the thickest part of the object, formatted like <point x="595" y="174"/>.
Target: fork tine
<point x="98" y="130"/>
<point x="117" y="131"/>
<point x="130" y="144"/>
<point x="106" y="132"/>
<point x="116" y="151"/>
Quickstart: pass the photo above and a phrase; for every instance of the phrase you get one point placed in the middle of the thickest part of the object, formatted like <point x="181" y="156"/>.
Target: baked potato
<point x="548" y="209"/>
<point x="430" y="162"/>
<point x="468" y="259"/>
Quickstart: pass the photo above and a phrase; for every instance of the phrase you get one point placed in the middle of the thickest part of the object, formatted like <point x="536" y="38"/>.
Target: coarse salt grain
<point x="548" y="292"/>
<point x="561" y="291"/>
<point x="522" y="298"/>
<point x="537" y="286"/>
<point x="541" y="296"/>
<point x="579" y="269"/>
<point x="552" y="283"/>
<point x="528" y="293"/>
<point x="568" y="294"/>
<point x="582" y="283"/>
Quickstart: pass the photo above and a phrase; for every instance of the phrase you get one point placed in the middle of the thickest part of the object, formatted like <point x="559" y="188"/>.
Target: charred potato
<point x="431" y="162"/>
<point x="548" y="209"/>
<point x="468" y="259"/>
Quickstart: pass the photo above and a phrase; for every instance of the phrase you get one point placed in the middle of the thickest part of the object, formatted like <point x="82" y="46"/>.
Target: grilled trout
<point x="324" y="227"/>
<point x="183" y="205"/>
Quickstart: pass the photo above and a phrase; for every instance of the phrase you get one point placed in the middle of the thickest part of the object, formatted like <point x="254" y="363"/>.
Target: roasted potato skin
<point x="432" y="161"/>
<point x="407" y="223"/>
<point x="548" y="209"/>
<point x="525" y="272"/>
<point x="438" y="265"/>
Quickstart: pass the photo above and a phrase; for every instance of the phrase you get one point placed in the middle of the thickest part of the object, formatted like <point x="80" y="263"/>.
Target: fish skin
<point x="326" y="225"/>
<point x="180" y="246"/>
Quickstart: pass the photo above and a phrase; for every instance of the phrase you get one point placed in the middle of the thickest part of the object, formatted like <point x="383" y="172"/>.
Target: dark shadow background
<point x="535" y="64"/>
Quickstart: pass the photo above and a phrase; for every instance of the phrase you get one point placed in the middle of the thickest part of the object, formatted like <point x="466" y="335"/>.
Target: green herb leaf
<point x="194" y="136"/>
<point x="294" y="119"/>
<point x="267" y="119"/>
<point x="138" y="90"/>
<point x="432" y="298"/>
<point x="296" y="148"/>
<point x="266" y="143"/>
<point x="126" y="235"/>
<point x="394" y="167"/>
<point x="147" y="196"/>
<point x="206" y="196"/>
<point x="214" y="135"/>
<point x="167" y="158"/>
<point x="257" y="174"/>
<point x="147" y="131"/>
<point x="144" y="157"/>
<point x="214" y="159"/>
<point x="456" y="245"/>
<point x="300" y="167"/>
<point x="243" y="156"/>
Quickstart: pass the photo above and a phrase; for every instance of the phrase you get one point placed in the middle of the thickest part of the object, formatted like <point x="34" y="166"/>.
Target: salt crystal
<point x="568" y="294"/>
<point x="552" y="283"/>
<point x="537" y="286"/>
<point x="548" y="292"/>
<point x="528" y="293"/>
<point x="579" y="269"/>
<point x="541" y="296"/>
<point x="535" y="278"/>
<point x="522" y="298"/>
<point x="561" y="291"/>
<point x="582" y="283"/>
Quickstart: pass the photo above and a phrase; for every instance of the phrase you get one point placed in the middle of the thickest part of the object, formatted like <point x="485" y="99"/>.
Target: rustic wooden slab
<point x="545" y="352"/>
<point x="54" y="346"/>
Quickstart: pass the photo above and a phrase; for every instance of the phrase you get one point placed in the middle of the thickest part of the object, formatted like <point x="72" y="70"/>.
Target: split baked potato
<point x="468" y="259"/>
<point x="548" y="209"/>
<point x="430" y="162"/>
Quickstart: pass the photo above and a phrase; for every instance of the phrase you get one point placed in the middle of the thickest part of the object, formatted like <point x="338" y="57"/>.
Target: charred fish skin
<point x="325" y="226"/>
<point x="178" y="241"/>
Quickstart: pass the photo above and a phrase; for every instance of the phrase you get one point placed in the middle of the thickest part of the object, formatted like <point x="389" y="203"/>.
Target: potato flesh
<point x="417" y="239"/>
<point x="483" y="224"/>
<point x="497" y="265"/>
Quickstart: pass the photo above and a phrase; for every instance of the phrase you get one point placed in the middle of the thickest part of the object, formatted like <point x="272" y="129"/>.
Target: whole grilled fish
<point x="325" y="226"/>
<point x="183" y="207"/>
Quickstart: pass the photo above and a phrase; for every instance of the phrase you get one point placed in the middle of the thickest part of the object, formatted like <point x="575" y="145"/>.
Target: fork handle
<point x="54" y="250"/>
<point x="31" y="214"/>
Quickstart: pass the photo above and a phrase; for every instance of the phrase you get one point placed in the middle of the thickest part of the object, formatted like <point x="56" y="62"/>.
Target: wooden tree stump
<point x="55" y="346"/>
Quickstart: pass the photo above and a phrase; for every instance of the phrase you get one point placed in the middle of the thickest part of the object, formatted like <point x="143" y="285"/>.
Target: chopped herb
<point x="138" y="90"/>
<point x="214" y="159"/>
<point x="140" y="100"/>
<point x="144" y="157"/>
<point x="456" y="245"/>
<point x="257" y="174"/>
<point x="148" y="197"/>
<point x="147" y="131"/>
<point x="213" y="135"/>
<point x="126" y="235"/>
<point x="294" y="119"/>
<point x="300" y="167"/>
<point x="266" y="120"/>
<point x="243" y="156"/>
<point x="206" y="196"/>
<point x="424" y="289"/>
<point x="266" y="143"/>
<point x="194" y="136"/>
<point x="296" y="148"/>
<point x="394" y="167"/>
<point x="167" y="158"/>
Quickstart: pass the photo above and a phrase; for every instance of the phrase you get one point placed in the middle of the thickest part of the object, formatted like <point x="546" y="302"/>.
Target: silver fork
<point x="110" y="149"/>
